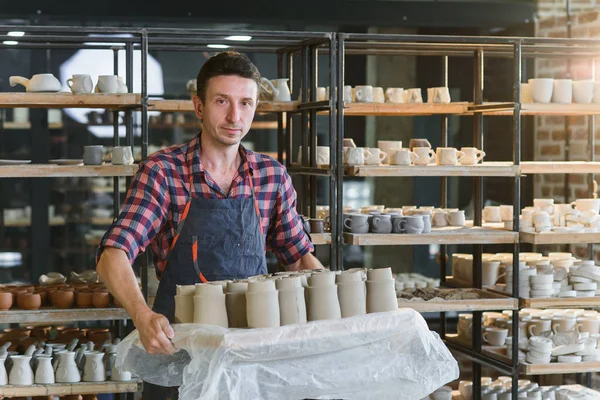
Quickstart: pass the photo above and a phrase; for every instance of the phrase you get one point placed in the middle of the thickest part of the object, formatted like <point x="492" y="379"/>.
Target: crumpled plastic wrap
<point x="390" y="355"/>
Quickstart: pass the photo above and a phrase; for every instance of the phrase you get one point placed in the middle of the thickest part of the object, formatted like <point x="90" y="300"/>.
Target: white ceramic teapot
<point x="37" y="83"/>
<point x="277" y="88"/>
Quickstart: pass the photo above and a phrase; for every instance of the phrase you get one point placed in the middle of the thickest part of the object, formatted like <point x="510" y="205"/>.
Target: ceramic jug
<point x="109" y="359"/>
<point x="44" y="373"/>
<point x="67" y="371"/>
<point x="94" y="370"/>
<point x="21" y="373"/>
<point x="278" y="88"/>
<point x="3" y="374"/>
<point x="37" y="83"/>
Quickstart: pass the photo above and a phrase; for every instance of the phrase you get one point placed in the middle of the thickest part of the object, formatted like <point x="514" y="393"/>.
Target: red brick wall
<point x="550" y="132"/>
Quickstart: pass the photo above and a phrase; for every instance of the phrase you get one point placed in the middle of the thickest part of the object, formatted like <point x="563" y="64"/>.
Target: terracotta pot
<point x="43" y="297"/>
<point x="84" y="299"/>
<point x="16" y="333"/>
<point x="6" y="300"/>
<point x="41" y="332"/>
<point x="101" y="299"/>
<point x="63" y="298"/>
<point x="30" y="301"/>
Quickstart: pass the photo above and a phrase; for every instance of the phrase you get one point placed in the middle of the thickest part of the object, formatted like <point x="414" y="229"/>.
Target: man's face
<point x="228" y="110"/>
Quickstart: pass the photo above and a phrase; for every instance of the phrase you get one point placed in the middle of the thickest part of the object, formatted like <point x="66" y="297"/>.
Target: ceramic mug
<point x="386" y="146"/>
<point x="364" y="94"/>
<point x="394" y="95"/>
<point x="356" y="155"/>
<point x="378" y="95"/>
<point x="398" y="224"/>
<point x="414" y="224"/>
<point x="438" y="95"/>
<point x="376" y="156"/>
<point x="107" y="84"/>
<point x="506" y="213"/>
<point x="456" y="218"/>
<point x="586" y="204"/>
<point x="491" y="214"/>
<point x="401" y="157"/>
<point x="440" y="218"/>
<point x="495" y="336"/>
<point x="472" y="155"/>
<point x="413" y="95"/>
<point x="583" y="91"/>
<point x="92" y="155"/>
<point x="382" y="223"/>
<point x="80" y="83"/>
<point x="541" y="89"/>
<point x="357" y="223"/>
<point x="562" y="91"/>
<point x="122" y="155"/>
<point x="448" y="156"/>
<point x="423" y="155"/>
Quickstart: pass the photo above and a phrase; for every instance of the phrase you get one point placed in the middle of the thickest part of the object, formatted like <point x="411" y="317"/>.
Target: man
<point x="209" y="207"/>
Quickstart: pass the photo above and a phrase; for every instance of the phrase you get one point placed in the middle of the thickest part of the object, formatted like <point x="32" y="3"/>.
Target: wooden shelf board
<point x="549" y="109"/>
<point x="321" y="238"/>
<point x="69" y="100"/>
<point x="446" y="235"/>
<point x="51" y="315"/>
<point x="560" y="167"/>
<point x="188" y="106"/>
<point x="558" y="238"/>
<point x="53" y="170"/>
<point x="556" y="302"/>
<point x="390" y="109"/>
<point x="487" y="301"/>
<point x="56" y="221"/>
<point x="486" y="169"/>
<point x="9" y="125"/>
<point x="71" y="388"/>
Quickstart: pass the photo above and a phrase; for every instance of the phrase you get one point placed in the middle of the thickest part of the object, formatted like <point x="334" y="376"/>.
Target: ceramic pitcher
<point x="3" y="374"/>
<point x="44" y="373"/>
<point x="278" y="88"/>
<point x="94" y="370"/>
<point x="67" y="371"/>
<point x="109" y="359"/>
<point x="21" y="373"/>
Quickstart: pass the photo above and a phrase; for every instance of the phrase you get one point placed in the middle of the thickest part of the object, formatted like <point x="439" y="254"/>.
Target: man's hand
<point x="307" y="261"/>
<point x="155" y="333"/>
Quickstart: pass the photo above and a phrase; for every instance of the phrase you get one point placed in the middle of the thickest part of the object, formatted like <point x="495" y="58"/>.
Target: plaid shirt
<point x="160" y="190"/>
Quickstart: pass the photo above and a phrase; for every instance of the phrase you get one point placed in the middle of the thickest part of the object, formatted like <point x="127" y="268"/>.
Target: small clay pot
<point x="43" y="297"/>
<point x="30" y="301"/>
<point x="63" y="298"/>
<point x="40" y="332"/>
<point x="6" y="300"/>
<point x="101" y="299"/>
<point x="84" y="299"/>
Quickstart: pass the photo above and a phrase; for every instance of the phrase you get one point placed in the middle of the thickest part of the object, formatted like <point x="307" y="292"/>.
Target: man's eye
<point x="246" y="103"/>
<point x="221" y="101"/>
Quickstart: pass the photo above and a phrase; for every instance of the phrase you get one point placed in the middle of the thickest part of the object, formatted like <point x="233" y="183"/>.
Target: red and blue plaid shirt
<point x="159" y="192"/>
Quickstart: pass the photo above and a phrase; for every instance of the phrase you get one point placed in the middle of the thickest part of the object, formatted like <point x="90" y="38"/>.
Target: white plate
<point x="66" y="161"/>
<point x="14" y="162"/>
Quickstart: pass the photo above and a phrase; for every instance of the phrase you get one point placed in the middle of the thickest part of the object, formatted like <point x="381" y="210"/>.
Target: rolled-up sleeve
<point x="143" y="214"/>
<point x="286" y="237"/>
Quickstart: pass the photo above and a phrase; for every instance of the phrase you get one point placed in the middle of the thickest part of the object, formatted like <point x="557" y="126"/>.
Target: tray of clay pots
<point x="441" y="300"/>
<point x="20" y="339"/>
<point x="58" y="302"/>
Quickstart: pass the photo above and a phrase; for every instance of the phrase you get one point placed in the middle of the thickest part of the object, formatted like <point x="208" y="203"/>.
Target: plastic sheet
<point x="376" y="356"/>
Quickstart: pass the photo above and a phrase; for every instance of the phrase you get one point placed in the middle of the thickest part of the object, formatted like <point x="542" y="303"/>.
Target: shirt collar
<point x="249" y="163"/>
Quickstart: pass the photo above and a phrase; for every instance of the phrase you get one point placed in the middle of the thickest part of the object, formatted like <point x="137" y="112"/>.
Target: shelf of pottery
<point x="551" y="341"/>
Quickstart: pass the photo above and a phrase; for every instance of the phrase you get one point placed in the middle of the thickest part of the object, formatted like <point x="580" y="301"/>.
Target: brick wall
<point x="550" y="132"/>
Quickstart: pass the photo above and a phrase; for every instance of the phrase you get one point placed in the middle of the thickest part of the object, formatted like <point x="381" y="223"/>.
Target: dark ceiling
<point x="291" y="14"/>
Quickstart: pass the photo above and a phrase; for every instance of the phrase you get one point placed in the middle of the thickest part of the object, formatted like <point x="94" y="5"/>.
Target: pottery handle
<point x="348" y="223"/>
<point x="554" y="330"/>
<point x="70" y="83"/>
<point x="530" y="330"/>
<point x="382" y="155"/>
<point x="480" y="155"/>
<point x="18" y="80"/>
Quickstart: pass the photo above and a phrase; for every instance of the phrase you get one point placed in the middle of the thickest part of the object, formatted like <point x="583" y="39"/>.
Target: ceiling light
<point x="10" y="42"/>
<point x="218" y="46"/>
<point x="16" y="33"/>
<point x="239" y="38"/>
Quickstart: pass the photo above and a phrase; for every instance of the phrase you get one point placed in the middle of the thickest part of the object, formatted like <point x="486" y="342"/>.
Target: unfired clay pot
<point x="67" y="371"/>
<point x="94" y="371"/>
<point x="44" y="373"/>
<point x="353" y="298"/>
<point x="322" y="302"/>
<point x="209" y="305"/>
<point x="292" y="306"/>
<point x="184" y="304"/>
<point x="20" y="373"/>
<point x="6" y="300"/>
<point x="381" y="296"/>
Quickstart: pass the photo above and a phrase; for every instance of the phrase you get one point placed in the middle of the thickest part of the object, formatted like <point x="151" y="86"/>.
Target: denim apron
<point x="216" y="239"/>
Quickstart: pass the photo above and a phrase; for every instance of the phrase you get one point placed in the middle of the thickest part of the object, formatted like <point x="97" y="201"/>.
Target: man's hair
<point x="226" y="63"/>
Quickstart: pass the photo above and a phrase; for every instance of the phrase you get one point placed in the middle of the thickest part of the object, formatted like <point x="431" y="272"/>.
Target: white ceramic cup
<point x="413" y="95"/>
<point x="80" y="83"/>
<point x="386" y="146"/>
<point x="506" y="213"/>
<point x="378" y="95"/>
<point x="491" y="214"/>
<point x="583" y="91"/>
<point x="356" y="155"/>
<point x="122" y="155"/>
<point x="423" y="155"/>
<point x="107" y="84"/>
<point x="472" y="155"/>
<point x="394" y="95"/>
<point x="456" y="218"/>
<point x="364" y="94"/>
<point x="438" y="95"/>
<point x="448" y="156"/>
<point x="562" y="91"/>
<point x="587" y="204"/>
<point x="376" y="156"/>
<point x="401" y="157"/>
<point x="495" y="336"/>
<point x="541" y="89"/>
